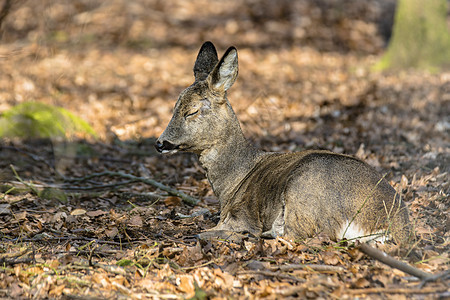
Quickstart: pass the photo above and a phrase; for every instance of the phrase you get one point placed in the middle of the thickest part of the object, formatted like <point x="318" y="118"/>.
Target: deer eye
<point x="190" y="114"/>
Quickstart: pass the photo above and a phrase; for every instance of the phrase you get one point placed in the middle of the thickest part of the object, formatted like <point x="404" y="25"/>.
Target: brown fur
<point x="268" y="194"/>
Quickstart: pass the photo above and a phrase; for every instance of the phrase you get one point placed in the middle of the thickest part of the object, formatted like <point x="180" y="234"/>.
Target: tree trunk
<point x="421" y="38"/>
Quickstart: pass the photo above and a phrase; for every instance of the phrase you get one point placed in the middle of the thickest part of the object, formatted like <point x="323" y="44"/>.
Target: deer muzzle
<point x="165" y="146"/>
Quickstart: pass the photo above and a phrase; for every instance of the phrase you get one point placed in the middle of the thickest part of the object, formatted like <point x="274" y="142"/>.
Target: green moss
<point x="54" y="195"/>
<point x="39" y="120"/>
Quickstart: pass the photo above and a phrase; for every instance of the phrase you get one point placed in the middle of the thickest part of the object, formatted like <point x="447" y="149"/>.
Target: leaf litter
<point x="309" y="87"/>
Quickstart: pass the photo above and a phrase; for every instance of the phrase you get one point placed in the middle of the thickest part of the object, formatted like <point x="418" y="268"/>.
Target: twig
<point x="397" y="290"/>
<point x="97" y="252"/>
<point x="392" y="262"/>
<point x="198" y="266"/>
<point x="203" y="211"/>
<point x="186" y="198"/>
<point x="28" y="185"/>
<point x="91" y="253"/>
<point x="271" y="274"/>
<point x="444" y="275"/>
<point x="297" y="290"/>
<point x="286" y="243"/>
<point x="148" y="196"/>
<point x="16" y="261"/>
<point x="8" y="258"/>
<point x="108" y="268"/>
<point x="14" y="254"/>
<point x="34" y="157"/>
<point x="70" y="238"/>
<point x="100" y="186"/>
<point x="319" y="268"/>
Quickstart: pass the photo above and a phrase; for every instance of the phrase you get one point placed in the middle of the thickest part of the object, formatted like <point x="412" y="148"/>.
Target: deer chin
<point x="173" y="151"/>
<point x="176" y="149"/>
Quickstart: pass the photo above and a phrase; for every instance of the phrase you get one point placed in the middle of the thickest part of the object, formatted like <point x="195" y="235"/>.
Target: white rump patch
<point x="354" y="232"/>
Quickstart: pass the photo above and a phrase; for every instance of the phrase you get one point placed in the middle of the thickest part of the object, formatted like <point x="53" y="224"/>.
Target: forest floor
<point x="72" y="226"/>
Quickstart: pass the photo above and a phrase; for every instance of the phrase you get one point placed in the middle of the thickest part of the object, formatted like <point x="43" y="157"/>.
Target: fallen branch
<point x="65" y="238"/>
<point x="198" y="266"/>
<point x="314" y="267"/>
<point x="444" y="275"/>
<point x="271" y="274"/>
<point x="298" y="290"/>
<point x="203" y="211"/>
<point x="99" y="186"/>
<point x="392" y="262"/>
<point x="186" y="198"/>
<point x="18" y="261"/>
<point x="108" y="268"/>
<point x="12" y="259"/>
<point x="381" y="290"/>
<point x="14" y="254"/>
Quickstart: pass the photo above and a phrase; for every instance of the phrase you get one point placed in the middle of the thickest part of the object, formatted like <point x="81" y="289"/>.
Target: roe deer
<point x="295" y="195"/>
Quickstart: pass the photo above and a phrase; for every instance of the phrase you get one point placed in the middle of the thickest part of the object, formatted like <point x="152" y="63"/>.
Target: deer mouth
<point x="169" y="151"/>
<point x="166" y="147"/>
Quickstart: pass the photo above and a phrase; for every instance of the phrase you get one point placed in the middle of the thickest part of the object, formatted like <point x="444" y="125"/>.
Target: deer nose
<point x="165" y="145"/>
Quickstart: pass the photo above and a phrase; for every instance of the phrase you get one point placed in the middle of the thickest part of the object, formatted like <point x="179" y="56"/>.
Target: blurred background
<point x="305" y="68"/>
<point x="113" y="61"/>
<point x="326" y="25"/>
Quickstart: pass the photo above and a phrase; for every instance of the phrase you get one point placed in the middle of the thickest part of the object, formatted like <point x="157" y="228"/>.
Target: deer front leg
<point x="232" y="228"/>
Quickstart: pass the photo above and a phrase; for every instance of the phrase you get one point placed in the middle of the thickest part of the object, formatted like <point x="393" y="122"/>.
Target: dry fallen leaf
<point x="330" y="258"/>
<point x="135" y="221"/>
<point x="111" y="233"/>
<point x="20" y="216"/>
<point x="361" y="283"/>
<point x="186" y="284"/>
<point x="78" y="212"/>
<point x="172" y="201"/>
<point x="96" y="213"/>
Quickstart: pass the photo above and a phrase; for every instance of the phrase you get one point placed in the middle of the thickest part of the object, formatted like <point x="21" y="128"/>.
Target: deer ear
<point x="206" y="60"/>
<point x="225" y="72"/>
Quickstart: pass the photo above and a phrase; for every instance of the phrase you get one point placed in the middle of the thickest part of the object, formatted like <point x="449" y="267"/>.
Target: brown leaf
<point x="111" y="233"/>
<point x="59" y="217"/>
<point x="20" y="216"/>
<point x="362" y="283"/>
<point x="5" y="209"/>
<point x="135" y="220"/>
<point x="15" y="291"/>
<point x="95" y="213"/>
<point x="403" y="182"/>
<point x="355" y="254"/>
<point x="121" y="280"/>
<point x="186" y="284"/>
<point x="53" y="263"/>
<point x="190" y="255"/>
<point x="77" y="212"/>
<point x="223" y="279"/>
<point x="66" y="259"/>
<point x="102" y="279"/>
<point x="330" y="258"/>
<point x="195" y="252"/>
<point x="57" y="290"/>
<point x="172" y="201"/>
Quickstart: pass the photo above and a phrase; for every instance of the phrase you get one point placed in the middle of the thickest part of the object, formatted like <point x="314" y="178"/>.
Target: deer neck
<point x="228" y="162"/>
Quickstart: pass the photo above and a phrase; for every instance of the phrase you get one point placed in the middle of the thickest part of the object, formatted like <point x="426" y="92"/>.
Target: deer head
<point x="202" y="116"/>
